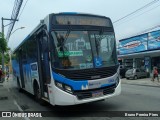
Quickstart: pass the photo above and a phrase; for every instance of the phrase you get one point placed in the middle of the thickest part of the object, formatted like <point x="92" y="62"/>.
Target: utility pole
<point x="2" y="52"/>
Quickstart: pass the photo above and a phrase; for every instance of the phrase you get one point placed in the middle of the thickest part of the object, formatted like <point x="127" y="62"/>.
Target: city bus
<point x="68" y="59"/>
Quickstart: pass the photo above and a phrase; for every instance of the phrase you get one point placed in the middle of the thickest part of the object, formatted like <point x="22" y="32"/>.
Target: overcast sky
<point x="36" y="10"/>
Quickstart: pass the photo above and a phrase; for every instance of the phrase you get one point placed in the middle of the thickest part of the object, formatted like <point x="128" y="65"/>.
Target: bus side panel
<point x="34" y="74"/>
<point x="16" y="71"/>
<point x="27" y="78"/>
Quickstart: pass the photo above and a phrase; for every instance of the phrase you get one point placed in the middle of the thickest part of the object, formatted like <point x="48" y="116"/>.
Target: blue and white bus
<point x="68" y="59"/>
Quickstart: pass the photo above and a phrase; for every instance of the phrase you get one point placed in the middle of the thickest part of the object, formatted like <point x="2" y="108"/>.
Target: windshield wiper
<point x="62" y="47"/>
<point x="97" y="46"/>
<point x="97" y="43"/>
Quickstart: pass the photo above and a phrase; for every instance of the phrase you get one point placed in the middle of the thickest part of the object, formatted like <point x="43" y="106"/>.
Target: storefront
<point x="142" y="51"/>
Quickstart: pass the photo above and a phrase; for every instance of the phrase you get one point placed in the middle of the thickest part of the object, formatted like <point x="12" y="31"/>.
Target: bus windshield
<point x="83" y="49"/>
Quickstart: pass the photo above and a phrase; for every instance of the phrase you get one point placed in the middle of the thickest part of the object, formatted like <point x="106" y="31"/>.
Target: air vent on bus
<point x="88" y="93"/>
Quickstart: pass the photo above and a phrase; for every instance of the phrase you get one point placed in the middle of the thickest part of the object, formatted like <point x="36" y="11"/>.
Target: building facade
<point x="142" y="51"/>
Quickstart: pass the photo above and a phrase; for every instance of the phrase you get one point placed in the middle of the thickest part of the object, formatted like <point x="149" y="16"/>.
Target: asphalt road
<point x="132" y="98"/>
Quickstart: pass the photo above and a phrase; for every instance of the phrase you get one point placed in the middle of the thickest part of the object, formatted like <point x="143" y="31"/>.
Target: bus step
<point x="45" y="99"/>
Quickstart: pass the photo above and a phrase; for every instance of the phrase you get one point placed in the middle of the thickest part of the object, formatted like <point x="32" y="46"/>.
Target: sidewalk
<point x="7" y="102"/>
<point x="142" y="82"/>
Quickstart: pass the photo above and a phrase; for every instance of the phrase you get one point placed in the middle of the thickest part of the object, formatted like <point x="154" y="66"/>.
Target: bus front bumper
<point x="63" y="98"/>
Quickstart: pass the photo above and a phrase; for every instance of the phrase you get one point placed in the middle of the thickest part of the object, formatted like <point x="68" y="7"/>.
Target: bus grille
<point x="88" y="93"/>
<point x="88" y="74"/>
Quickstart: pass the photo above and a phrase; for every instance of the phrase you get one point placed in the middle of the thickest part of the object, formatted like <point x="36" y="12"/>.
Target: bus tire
<point x="38" y="94"/>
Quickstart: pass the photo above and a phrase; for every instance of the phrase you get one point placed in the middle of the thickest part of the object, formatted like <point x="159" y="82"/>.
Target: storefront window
<point x="140" y="63"/>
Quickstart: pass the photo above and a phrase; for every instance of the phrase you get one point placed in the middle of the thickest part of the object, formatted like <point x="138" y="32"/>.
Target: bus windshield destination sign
<point x="82" y="20"/>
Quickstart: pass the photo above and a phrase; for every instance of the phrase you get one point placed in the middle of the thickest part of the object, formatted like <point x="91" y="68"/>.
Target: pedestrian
<point x="155" y="74"/>
<point x="1" y="73"/>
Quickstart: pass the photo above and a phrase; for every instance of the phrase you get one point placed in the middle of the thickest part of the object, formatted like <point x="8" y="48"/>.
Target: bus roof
<point x="78" y="13"/>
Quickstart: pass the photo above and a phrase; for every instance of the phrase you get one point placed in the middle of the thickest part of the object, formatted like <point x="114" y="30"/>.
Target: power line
<point x="149" y="29"/>
<point x="23" y="9"/>
<point x="143" y="32"/>
<point x="145" y="6"/>
<point x="140" y="14"/>
<point x="15" y="12"/>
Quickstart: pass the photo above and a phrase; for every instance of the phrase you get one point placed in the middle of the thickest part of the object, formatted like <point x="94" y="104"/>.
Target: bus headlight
<point x="59" y="85"/>
<point x="68" y="89"/>
<point x="64" y="87"/>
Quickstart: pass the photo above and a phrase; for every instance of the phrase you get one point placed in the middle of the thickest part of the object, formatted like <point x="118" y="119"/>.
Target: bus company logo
<point x="95" y="77"/>
<point x="94" y="84"/>
<point x="132" y="44"/>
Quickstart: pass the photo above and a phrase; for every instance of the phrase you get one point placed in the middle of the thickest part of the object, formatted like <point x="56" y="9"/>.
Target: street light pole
<point x="15" y="31"/>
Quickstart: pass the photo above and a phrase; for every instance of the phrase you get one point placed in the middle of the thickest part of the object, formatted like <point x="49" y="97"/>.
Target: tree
<point x="3" y="49"/>
<point x="6" y="58"/>
<point x="3" y="43"/>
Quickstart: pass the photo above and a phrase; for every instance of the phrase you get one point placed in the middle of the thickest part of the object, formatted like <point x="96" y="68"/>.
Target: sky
<point x="35" y="10"/>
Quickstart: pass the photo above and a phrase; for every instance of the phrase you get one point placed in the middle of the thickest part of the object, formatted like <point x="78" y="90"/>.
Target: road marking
<point x="26" y="118"/>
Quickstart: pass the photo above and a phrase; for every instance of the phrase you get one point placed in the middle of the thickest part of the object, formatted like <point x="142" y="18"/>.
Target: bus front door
<point x="44" y="64"/>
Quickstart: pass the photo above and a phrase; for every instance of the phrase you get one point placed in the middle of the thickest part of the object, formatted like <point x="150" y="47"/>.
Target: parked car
<point x="122" y="71"/>
<point x="136" y="73"/>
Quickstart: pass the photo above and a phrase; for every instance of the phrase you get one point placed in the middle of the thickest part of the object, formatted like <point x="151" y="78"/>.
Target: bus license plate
<point x="97" y="93"/>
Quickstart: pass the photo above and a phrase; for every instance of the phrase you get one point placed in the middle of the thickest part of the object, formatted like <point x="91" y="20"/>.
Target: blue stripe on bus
<point x="76" y="85"/>
<point x="68" y="13"/>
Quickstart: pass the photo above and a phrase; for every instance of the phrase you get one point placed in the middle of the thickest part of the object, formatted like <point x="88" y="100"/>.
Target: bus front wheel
<point x="38" y="94"/>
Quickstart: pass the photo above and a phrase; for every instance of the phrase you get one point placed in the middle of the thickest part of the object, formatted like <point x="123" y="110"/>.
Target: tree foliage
<point x="6" y="58"/>
<point x="3" y="49"/>
<point x="3" y="43"/>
